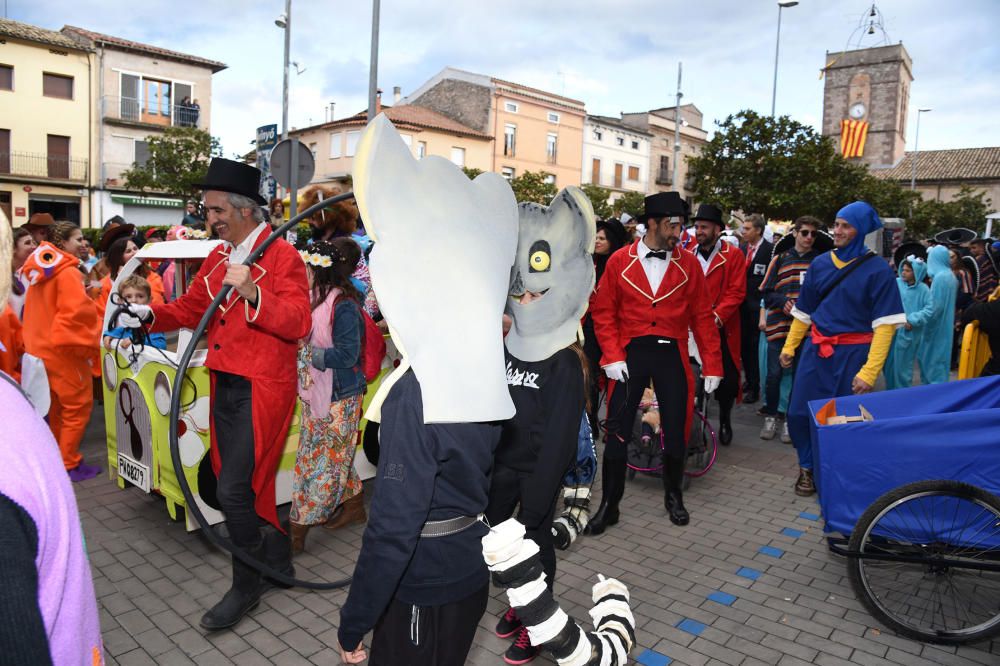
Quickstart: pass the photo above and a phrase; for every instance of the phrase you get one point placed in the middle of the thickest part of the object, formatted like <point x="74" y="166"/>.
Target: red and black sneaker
<point x="508" y="624"/>
<point x="522" y="651"/>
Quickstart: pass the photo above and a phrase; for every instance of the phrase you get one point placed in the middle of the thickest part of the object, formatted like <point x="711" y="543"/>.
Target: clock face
<point x="857" y="110"/>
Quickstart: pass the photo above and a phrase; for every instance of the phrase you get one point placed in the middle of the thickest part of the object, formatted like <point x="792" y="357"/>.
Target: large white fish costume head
<point x="440" y="269"/>
<point x="555" y="248"/>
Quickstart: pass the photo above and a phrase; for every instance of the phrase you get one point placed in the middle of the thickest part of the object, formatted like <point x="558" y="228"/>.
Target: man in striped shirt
<point x="780" y="289"/>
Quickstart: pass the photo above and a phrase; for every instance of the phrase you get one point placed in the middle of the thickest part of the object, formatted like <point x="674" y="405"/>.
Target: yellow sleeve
<point x="795" y="335"/>
<point x="877" y="353"/>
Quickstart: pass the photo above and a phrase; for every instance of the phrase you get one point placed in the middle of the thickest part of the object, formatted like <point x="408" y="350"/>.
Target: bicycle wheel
<point x="702" y="447"/>
<point x="928" y="563"/>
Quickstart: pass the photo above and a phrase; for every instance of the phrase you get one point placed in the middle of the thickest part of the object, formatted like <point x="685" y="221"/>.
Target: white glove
<point x="139" y="315"/>
<point x="617" y="371"/>
<point x="712" y="383"/>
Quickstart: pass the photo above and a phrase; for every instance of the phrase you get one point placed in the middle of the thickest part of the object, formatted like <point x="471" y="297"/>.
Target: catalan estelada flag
<point x="852" y="137"/>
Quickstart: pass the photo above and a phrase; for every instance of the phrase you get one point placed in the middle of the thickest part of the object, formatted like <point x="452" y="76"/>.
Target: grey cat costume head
<point x="554" y="248"/>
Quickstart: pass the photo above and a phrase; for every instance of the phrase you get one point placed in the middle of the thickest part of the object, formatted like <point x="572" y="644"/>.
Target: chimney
<point x="397" y="92"/>
<point x="378" y="101"/>
<point x="329" y="111"/>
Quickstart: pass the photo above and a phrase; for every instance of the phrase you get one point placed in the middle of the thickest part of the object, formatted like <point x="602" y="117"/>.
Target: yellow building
<point x="46" y="91"/>
<point x="425" y="131"/>
<point x="532" y="130"/>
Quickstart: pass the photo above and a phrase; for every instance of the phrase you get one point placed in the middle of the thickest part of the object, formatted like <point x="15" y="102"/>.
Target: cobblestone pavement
<point x="748" y="582"/>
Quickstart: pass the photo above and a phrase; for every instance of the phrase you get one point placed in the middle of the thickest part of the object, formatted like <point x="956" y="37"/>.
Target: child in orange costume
<point x="61" y="328"/>
<point x="11" y="343"/>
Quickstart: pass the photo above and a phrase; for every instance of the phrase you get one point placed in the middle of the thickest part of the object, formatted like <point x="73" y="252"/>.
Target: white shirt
<point x="239" y="253"/>
<point x="655" y="269"/>
<point x="705" y="263"/>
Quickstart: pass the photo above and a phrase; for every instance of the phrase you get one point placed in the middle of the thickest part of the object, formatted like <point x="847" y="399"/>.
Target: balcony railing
<point x="40" y="165"/>
<point x="152" y="112"/>
<point x="664" y="177"/>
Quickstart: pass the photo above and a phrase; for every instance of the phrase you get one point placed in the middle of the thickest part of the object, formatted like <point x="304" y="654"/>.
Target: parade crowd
<point x="674" y="302"/>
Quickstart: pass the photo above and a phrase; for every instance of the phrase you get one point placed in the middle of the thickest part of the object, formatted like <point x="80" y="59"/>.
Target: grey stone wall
<point x="461" y="101"/>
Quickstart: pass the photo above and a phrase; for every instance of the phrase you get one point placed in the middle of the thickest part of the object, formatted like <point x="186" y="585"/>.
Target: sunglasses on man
<point x="807" y="232"/>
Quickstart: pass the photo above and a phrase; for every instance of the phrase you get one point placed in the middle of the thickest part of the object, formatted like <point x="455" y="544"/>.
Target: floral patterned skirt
<point x="324" y="465"/>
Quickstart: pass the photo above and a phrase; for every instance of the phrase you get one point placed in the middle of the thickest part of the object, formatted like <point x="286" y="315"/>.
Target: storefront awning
<point x="156" y="202"/>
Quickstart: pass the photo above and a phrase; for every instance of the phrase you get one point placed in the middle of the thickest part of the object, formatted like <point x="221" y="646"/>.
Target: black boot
<point x="241" y="598"/>
<point x="612" y="487"/>
<point x="277" y="555"/>
<point x="725" y="424"/>
<point x="673" y="500"/>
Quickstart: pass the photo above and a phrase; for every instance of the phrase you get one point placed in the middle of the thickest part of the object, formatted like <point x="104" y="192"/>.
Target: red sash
<point x="826" y="343"/>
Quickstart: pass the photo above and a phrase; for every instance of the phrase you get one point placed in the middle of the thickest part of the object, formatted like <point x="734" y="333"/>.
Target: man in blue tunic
<point x="850" y="307"/>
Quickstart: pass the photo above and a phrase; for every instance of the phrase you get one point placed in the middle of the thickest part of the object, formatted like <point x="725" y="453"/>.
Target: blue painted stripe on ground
<point x="653" y="658"/>
<point x="722" y="598"/>
<point x="747" y="572"/>
<point x="795" y="534"/>
<point x="809" y="516"/>
<point x="691" y="626"/>
<point x="771" y="550"/>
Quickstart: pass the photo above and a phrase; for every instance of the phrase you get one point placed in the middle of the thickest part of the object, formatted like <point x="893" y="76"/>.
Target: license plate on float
<point x="135" y="473"/>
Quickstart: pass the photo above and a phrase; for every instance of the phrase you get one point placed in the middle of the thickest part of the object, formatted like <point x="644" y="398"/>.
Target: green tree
<point x="531" y="186"/>
<point x="632" y="203"/>
<point x="177" y="158"/>
<point x="967" y="209"/>
<point x="471" y="172"/>
<point x="598" y="199"/>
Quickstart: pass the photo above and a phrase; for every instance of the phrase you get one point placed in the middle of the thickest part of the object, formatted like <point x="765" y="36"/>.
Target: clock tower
<point x="870" y="85"/>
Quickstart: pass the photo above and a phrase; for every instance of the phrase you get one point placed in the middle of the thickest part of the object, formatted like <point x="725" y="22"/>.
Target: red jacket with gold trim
<point x="726" y="284"/>
<point x="625" y="307"/>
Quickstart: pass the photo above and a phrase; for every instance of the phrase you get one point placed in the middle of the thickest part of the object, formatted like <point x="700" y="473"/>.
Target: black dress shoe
<point x="750" y="397"/>
<point x="674" y="503"/>
<point x="725" y="434"/>
<point x="606" y="516"/>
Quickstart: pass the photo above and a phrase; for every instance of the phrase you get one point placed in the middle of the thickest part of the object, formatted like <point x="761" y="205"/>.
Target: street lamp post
<point x="285" y="22"/>
<point x="916" y="150"/>
<point x="777" y="43"/>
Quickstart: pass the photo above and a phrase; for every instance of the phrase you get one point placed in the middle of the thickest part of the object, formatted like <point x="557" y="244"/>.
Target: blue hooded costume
<point x="935" y="349"/>
<point x="919" y="309"/>
<point x="866" y="299"/>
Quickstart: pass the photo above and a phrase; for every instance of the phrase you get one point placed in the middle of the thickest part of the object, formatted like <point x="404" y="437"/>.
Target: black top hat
<point x="615" y="232"/>
<point x="822" y="243"/>
<point x="664" y="204"/>
<point x="115" y="232"/>
<point x="236" y="177"/>
<point x="906" y="249"/>
<point x="709" y="213"/>
<point x="956" y="236"/>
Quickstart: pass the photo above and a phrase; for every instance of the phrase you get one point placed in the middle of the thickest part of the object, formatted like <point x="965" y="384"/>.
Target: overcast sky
<point x="615" y="55"/>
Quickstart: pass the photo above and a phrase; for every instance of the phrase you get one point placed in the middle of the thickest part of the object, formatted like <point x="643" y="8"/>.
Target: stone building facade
<point x="660" y="124"/>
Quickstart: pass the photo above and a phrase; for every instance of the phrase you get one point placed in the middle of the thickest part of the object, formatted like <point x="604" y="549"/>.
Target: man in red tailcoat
<point x="724" y="266"/>
<point x="252" y="341"/>
<point x="652" y="292"/>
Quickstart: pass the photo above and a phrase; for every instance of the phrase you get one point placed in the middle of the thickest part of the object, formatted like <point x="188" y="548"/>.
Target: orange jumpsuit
<point x="11" y="343"/>
<point x="61" y="328"/>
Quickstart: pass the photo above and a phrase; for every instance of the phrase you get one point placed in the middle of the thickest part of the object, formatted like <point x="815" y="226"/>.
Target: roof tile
<point x="33" y="33"/>
<point x="96" y="37"/>
<point x="409" y="114"/>
<point x="938" y="165"/>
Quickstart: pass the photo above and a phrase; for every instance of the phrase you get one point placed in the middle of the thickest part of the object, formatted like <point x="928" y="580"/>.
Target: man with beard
<point x="726" y="283"/>
<point x="652" y="292"/>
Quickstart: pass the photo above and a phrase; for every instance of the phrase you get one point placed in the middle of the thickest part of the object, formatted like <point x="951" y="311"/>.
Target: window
<point x="141" y="153"/>
<point x="550" y="148"/>
<point x="633" y="173"/>
<point x="598" y="135"/>
<point x="421" y="149"/>
<point x="352" y="142"/>
<point x="553" y="117"/>
<point x="510" y="107"/>
<point x="635" y="145"/>
<point x="664" y="176"/>
<point x="550" y="179"/>
<point x="6" y="77"/>
<point x="58" y="156"/>
<point x="619" y="167"/>
<point x="312" y="149"/>
<point x="336" y="139"/>
<point x="620" y="141"/>
<point x="129" y="102"/>
<point x="509" y="139"/>
<point x="595" y="172"/>
<point x="507" y="172"/>
<point x="458" y="156"/>
<point x="56" y="85"/>
<point x="4" y="151"/>
<point x="407" y="139"/>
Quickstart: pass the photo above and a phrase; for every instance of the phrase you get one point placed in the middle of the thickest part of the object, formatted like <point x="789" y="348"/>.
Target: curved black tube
<point x="175" y="408"/>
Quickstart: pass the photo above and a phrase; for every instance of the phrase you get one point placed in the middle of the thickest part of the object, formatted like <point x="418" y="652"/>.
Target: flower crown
<point x="316" y="259"/>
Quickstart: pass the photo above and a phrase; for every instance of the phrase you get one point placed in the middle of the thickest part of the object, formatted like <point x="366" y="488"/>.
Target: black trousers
<point x="662" y="361"/>
<point x="592" y="350"/>
<point x="750" y="338"/>
<point x="729" y="388"/>
<point x="506" y="490"/>
<point x="428" y="635"/>
<point x="232" y="418"/>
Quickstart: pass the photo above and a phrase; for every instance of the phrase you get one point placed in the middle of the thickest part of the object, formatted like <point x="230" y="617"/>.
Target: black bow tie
<point x="657" y="254"/>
